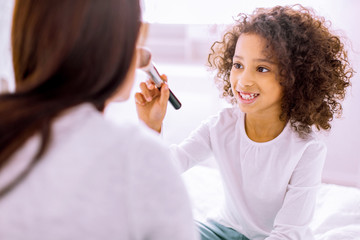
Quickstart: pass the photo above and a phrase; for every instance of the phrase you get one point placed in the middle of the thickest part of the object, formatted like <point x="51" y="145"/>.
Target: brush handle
<point x="155" y="77"/>
<point x="174" y="101"/>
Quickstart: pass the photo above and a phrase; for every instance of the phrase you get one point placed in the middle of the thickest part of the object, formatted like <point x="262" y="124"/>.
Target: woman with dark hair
<point x="66" y="173"/>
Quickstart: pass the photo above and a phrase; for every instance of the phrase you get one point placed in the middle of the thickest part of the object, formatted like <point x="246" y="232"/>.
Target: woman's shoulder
<point x="84" y="127"/>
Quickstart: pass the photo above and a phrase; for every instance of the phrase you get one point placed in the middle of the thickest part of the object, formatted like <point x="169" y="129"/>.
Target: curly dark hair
<point x="313" y="64"/>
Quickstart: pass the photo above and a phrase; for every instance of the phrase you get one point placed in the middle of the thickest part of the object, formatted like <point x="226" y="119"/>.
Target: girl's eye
<point x="237" y="65"/>
<point x="262" y="69"/>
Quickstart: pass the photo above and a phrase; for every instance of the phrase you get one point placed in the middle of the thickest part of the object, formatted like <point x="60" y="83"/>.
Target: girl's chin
<point x="245" y="108"/>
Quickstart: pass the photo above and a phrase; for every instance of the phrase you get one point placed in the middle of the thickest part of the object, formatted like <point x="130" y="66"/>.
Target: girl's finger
<point x="164" y="77"/>
<point x="145" y="92"/>
<point x="139" y="99"/>
<point x="165" y="93"/>
<point x="150" y="84"/>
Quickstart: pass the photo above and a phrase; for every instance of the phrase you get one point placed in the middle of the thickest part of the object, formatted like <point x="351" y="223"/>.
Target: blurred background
<point x="180" y="33"/>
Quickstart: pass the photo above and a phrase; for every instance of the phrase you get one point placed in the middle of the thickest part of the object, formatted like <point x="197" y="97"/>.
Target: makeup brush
<point x="145" y="64"/>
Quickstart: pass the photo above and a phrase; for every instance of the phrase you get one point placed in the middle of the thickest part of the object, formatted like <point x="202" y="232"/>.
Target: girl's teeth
<point x="249" y="96"/>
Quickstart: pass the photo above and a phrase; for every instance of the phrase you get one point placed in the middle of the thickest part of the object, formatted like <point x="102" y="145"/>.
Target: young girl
<point x="284" y="72"/>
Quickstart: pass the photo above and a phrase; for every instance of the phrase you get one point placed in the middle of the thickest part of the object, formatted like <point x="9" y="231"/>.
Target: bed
<point x="337" y="214"/>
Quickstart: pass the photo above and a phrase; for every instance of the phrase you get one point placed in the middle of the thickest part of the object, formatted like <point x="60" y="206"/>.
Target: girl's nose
<point x="245" y="79"/>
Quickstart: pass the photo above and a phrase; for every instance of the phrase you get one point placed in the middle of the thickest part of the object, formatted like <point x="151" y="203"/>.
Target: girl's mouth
<point x="248" y="97"/>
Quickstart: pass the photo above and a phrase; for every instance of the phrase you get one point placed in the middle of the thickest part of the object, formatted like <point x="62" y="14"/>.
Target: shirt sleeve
<point x="295" y="215"/>
<point x="160" y="207"/>
<point x="194" y="149"/>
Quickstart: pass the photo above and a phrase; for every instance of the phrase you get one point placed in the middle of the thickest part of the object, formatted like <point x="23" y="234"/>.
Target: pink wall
<point x="343" y="159"/>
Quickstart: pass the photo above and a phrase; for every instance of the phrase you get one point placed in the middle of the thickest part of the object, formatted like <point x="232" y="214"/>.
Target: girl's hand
<point x="151" y="103"/>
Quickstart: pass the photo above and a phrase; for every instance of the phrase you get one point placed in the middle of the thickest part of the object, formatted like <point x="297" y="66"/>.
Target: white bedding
<point x="337" y="214"/>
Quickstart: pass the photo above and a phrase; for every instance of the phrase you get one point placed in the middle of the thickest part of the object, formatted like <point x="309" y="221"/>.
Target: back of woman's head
<point x="73" y="50"/>
<point x="64" y="53"/>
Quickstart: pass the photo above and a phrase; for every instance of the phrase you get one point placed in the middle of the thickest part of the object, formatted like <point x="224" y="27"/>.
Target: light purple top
<point x="96" y="181"/>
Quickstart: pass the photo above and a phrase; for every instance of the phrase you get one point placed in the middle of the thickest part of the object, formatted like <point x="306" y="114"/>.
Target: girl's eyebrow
<point x="257" y="60"/>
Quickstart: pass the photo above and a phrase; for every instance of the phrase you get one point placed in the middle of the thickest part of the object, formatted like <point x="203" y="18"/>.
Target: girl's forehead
<point x="253" y="44"/>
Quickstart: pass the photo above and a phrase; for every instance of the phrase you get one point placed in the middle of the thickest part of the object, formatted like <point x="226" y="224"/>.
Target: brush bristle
<point x="144" y="57"/>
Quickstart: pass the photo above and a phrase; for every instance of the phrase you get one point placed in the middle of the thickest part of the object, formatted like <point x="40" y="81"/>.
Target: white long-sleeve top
<point x="96" y="181"/>
<point x="270" y="188"/>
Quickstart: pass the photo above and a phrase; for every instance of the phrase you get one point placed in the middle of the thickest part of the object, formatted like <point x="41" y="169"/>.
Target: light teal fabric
<point x="212" y="230"/>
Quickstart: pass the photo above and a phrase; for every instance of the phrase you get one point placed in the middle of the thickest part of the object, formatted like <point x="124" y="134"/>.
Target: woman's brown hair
<point x="313" y="63"/>
<point x="65" y="53"/>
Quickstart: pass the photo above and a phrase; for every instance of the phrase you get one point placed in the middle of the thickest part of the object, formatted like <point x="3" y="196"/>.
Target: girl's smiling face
<point x="254" y="77"/>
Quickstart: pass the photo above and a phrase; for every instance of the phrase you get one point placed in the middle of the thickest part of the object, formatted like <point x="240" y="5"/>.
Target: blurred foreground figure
<point x="65" y="172"/>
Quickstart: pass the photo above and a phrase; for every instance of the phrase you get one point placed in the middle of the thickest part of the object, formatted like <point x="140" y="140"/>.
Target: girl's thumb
<point x="165" y="93"/>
